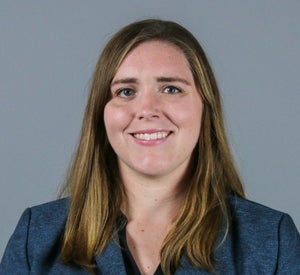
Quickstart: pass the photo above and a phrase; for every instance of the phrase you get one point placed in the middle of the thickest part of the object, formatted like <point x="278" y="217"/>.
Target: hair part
<point x="94" y="184"/>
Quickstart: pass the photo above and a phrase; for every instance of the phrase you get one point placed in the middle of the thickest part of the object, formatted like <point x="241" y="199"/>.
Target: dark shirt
<point x="130" y="264"/>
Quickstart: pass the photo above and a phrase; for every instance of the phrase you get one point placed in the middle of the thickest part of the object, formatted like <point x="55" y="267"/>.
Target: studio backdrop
<point x="48" y="50"/>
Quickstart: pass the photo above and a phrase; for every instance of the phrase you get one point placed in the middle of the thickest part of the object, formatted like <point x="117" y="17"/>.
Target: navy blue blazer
<point x="261" y="241"/>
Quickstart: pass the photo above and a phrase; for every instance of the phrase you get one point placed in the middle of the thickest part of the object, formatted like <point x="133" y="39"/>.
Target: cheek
<point x="189" y="116"/>
<point x="115" y="119"/>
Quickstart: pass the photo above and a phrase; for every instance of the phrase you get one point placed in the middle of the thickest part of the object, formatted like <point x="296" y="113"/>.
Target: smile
<point x="151" y="136"/>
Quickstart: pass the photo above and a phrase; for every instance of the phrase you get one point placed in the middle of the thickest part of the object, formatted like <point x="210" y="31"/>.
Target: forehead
<point x="158" y="56"/>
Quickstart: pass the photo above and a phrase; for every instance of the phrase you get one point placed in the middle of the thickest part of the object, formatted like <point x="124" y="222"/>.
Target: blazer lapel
<point x="110" y="261"/>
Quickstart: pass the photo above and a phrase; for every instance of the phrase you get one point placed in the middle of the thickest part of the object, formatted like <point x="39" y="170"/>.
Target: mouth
<point x="151" y="136"/>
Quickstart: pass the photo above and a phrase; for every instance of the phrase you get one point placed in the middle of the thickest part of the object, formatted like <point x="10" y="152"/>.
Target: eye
<point x="126" y="92"/>
<point x="172" y="90"/>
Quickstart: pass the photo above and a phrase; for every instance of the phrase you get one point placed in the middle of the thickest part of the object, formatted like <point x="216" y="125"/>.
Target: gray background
<point x="48" y="50"/>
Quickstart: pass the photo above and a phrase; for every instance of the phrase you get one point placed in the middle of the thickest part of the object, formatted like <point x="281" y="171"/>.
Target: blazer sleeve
<point x="15" y="258"/>
<point x="289" y="247"/>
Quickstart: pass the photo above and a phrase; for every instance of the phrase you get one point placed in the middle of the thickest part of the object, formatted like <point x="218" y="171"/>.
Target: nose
<point x="148" y="105"/>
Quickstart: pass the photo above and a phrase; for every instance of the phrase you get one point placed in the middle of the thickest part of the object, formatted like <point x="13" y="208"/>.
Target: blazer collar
<point x="110" y="261"/>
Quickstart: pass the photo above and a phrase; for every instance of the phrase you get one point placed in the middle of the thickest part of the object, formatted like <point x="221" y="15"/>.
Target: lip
<point x="151" y="136"/>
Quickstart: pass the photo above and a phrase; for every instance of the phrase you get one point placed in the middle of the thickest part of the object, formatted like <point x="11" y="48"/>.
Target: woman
<point x="153" y="188"/>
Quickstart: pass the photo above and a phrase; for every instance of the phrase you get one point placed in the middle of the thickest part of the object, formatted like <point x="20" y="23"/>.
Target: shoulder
<point x="268" y="237"/>
<point x="52" y="205"/>
<point x="37" y="235"/>
<point x="49" y="217"/>
<point x="43" y="223"/>
<point x="253" y="212"/>
<point x="45" y="218"/>
<point x="256" y="223"/>
<point x="54" y="211"/>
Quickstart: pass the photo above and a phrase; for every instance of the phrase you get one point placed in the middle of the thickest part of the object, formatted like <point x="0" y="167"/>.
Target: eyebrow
<point x="128" y="80"/>
<point x="133" y="80"/>
<point x="173" y="79"/>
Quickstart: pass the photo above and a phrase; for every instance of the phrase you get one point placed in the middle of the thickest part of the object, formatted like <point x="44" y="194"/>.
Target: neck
<point x="150" y="199"/>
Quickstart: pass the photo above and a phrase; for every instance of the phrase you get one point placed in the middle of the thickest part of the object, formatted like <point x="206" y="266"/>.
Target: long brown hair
<point x="94" y="184"/>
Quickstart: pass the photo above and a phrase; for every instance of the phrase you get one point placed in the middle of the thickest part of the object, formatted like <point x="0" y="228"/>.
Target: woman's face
<point x="153" y="118"/>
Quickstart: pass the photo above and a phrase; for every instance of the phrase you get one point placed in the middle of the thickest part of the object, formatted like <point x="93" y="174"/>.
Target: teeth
<point x="152" y="136"/>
